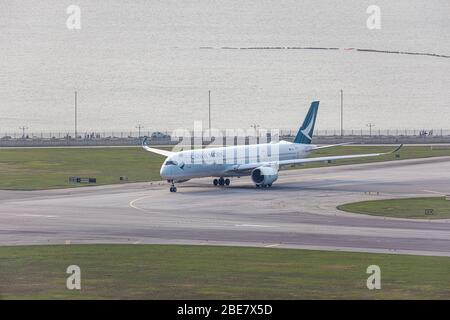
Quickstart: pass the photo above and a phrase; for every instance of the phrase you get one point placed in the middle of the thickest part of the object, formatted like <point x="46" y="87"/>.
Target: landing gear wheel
<point x="227" y="182"/>
<point x="257" y="185"/>
<point x="221" y="181"/>
<point x="173" y="188"/>
<point x="215" y="182"/>
<point x="269" y="185"/>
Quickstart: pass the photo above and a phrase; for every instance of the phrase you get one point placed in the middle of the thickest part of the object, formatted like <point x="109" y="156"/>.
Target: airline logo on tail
<point x="308" y="130"/>
<point x="305" y="132"/>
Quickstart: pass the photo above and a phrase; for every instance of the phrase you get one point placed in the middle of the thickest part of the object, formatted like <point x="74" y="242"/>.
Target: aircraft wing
<point x="331" y="145"/>
<point x="145" y="145"/>
<point x="250" y="166"/>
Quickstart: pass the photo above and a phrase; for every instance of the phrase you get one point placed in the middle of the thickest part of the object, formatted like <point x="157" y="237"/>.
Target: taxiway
<point x="299" y="211"/>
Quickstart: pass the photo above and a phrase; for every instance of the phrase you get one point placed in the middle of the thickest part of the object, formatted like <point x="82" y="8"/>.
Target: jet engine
<point x="264" y="176"/>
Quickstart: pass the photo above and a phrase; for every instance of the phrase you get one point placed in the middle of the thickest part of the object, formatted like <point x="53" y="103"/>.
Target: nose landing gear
<point x="263" y="185"/>
<point x="172" y="187"/>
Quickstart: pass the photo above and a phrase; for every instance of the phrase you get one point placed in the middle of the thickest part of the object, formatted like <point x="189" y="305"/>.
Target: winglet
<point x="397" y="149"/>
<point x="145" y="141"/>
<point x="145" y="145"/>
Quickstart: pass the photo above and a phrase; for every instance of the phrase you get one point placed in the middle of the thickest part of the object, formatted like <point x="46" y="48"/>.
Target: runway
<point x="299" y="211"/>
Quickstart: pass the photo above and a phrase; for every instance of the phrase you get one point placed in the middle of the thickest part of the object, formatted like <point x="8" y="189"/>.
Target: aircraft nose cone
<point x="164" y="172"/>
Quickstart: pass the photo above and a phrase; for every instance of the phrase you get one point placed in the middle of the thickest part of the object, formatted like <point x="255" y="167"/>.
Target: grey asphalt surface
<point x="299" y="211"/>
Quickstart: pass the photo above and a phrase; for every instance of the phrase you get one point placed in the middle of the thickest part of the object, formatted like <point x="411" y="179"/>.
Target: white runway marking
<point x="435" y="192"/>
<point x="272" y="245"/>
<point x="254" y="225"/>
<point x="35" y="215"/>
<point x="132" y="203"/>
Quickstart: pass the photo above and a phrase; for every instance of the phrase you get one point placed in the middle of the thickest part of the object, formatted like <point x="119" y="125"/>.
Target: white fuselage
<point x="220" y="162"/>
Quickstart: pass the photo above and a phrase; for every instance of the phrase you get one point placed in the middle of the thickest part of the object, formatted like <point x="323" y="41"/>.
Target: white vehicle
<point x="259" y="161"/>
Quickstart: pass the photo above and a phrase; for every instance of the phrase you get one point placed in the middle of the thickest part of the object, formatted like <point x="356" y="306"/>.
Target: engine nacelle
<point x="263" y="176"/>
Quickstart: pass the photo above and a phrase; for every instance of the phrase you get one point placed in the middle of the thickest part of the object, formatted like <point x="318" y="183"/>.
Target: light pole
<point x="23" y="131"/>
<point x="370" y="125"/>
<point x="342" y="112"/>
<point x="139" y="127"/>
<point x="76" y="115"/>
<point x="255" y="127"/>
<point x="209" y="109"/>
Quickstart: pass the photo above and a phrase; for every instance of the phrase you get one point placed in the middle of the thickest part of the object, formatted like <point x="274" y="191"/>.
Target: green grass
<point x="30" y="169"/>
<point x="45" y="168"/>
<point x="199" y="272"/>
<point x="413" y="208"/>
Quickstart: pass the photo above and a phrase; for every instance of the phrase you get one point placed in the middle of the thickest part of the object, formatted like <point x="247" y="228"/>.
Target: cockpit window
<point x="171" y="163"/>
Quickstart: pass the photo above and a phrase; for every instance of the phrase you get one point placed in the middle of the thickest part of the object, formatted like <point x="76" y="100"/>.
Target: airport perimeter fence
<point x="121" y="138"/>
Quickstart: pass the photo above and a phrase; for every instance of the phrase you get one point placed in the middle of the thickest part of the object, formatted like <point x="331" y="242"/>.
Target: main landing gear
<point x="221" y="182"/>
<point x="172" y="187"/>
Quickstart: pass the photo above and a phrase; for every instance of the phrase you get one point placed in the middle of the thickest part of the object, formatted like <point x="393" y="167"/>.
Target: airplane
<point x="259" y="161"/>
